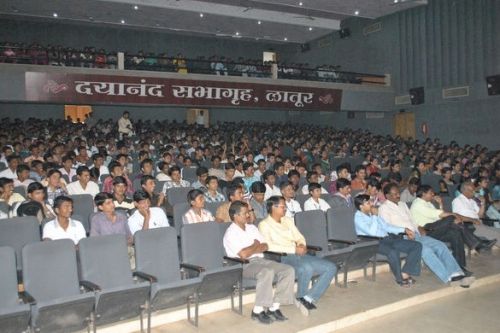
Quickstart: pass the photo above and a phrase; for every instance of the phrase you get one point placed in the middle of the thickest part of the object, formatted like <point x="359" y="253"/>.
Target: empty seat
<point x="341" y="232"/>
<point x="156" y="254"/>
<point x="83" y="207"/>
<point x="14" y="315"/>
<point x="104" y="262"/>
<point x="159" y="186"/>
<point x="202" y="246"/>
<point x="50" y="275"/>
<point x="179" y="210"/>
<point x="212" y="206"/>
<point x="189" y="174"/>
<point x="177" y="195"/>
<point x="17" y="232"/>
<point x="20" y="190"/>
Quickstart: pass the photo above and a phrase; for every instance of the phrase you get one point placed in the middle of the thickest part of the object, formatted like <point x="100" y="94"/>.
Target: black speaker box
<point x="344" y="33"/>
<point x="417" y="95"/>
<point x="305" y="47"/>
<point x="493" y="83"/>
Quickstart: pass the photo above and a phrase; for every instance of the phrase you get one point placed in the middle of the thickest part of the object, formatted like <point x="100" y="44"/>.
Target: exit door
<point x="404" y="125"/>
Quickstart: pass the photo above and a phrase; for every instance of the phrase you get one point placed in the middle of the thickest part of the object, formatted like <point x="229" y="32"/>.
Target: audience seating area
<point x="187" y="264"/>
<point x="91" y="57"/>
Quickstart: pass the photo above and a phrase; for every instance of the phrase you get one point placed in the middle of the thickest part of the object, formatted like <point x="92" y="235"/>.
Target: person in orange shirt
<point x="359" y="181"/>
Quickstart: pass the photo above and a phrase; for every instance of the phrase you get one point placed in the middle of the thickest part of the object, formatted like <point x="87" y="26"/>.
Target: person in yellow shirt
<point x="281" y="235"/>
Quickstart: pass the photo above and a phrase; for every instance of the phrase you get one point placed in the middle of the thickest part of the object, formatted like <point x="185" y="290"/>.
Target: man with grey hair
<point x="467" y="207"/>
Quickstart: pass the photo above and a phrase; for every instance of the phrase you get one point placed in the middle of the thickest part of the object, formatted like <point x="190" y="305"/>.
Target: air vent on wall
<point x="372" y="28"/>
<point x="455" y="92"/>
<point x="404" y="99"/>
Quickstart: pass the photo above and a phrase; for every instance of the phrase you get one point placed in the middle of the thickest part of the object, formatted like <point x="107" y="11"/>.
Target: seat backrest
<point x="17" y="232"/>
<point x="156" y="253"/>
<point x="159" y="186"/>
<point x="447" y="203"/>
<point x="50" y="270"/>
<point x="301" y="199"/>
<point x="189" y="174"/>
<point x="312" y="225"/>
<point x="201" y="244"/>
<point x="104" y="261"/>
<point x="4" y="207"/>
<point x="8" y="277"/>
<point x="136" y="184"/>
<point x="432" y="180"/>
<point x="212" y="206"/>
<point x="83" y="206"/>
<point x="177" y="195"/>
<point x="179" y="210"/>
<point x="20" y="190"/>
<point x="340" y="224"/>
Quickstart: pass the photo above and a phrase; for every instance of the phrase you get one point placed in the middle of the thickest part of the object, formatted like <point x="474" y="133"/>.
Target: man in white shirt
<point x="146" y="217"/>
<point x="292" y="205"/>
<point x="83" y="185"/>
<point x="63" y="227"/>
<point x="243" y="240"/>
<point x="125" y="125"/>
<point x="315" y="202"/>
<point x="11" y="171"/>
<point x="435" y="253"/>
<point x="466" y="206"/>
<point x="312" y="177"/>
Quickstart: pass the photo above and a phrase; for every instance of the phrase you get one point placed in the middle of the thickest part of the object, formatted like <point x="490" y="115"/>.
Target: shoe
<point x="464" y="281"/>
<point x="262" y="317"/>
<point x="307" y="304"/>
<point x="301" y="307"/>
<point x="276" y="315"/>
<point x="485" y="245"/>
<point x="457" y="278"/>
<point x="467" y="273"/>
<point x="404" y="283"/>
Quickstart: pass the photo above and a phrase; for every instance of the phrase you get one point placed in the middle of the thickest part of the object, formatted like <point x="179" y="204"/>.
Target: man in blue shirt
<point x="391" y="245"/>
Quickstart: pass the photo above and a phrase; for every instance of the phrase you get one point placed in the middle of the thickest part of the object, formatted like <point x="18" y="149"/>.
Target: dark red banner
<point x="108" y="89"/>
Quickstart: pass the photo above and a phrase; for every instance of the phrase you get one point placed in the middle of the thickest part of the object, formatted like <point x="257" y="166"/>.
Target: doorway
<point x="404" y="125"/>
<point x="198" y="116"/>
<point x="77" y="113"/>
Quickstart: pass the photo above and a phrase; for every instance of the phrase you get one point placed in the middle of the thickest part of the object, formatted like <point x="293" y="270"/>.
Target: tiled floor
<point x="460" y="312"/>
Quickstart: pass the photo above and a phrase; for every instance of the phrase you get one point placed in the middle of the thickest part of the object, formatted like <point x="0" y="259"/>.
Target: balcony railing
<point x="211" y="66"/>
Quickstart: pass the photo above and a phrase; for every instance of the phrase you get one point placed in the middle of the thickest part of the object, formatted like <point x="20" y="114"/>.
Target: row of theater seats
<point x="98" y="287"/>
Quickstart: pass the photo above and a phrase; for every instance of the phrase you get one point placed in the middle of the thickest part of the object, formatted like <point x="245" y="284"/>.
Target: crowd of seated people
<point x="92" y="57"/>
<point x="267" y="173"/>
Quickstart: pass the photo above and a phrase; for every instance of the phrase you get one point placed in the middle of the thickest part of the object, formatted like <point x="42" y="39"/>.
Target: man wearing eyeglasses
<point x="281" y="235"/>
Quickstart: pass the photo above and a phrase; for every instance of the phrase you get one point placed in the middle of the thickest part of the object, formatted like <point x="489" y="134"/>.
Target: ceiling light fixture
<point x="201" y="15"/>
<point x="285" y="39"/>
<point x="301" y="3"/>
<point x="122" y="21"/>
<point x="310" y="29"/>
<point x="136" y="7"/>
<point x="259" y="22"/>
<point x="237" y="33"/>
<point x="55" y="15"/>
<point x="356" y="12"/>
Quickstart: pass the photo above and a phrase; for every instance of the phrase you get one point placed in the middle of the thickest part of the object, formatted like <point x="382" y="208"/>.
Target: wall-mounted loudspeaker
<point x="417" y="95"/>
<point x="305" y="47"/>
<point x="493" y="84"/>
<point x="344" y="33"/>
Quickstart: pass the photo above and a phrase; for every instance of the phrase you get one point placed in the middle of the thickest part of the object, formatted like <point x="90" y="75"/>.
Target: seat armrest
<point x="89" y="285"/>
<point x="237" y="260"/>
<point x="342" y="241"/>
<point x="370" y="237"/>
<point x="196" y="268"/>
<point x="275" y="256"/>
<point x="314" y="248"/>
<point x="145" y="276"/>
<point x="27" y="298"/>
